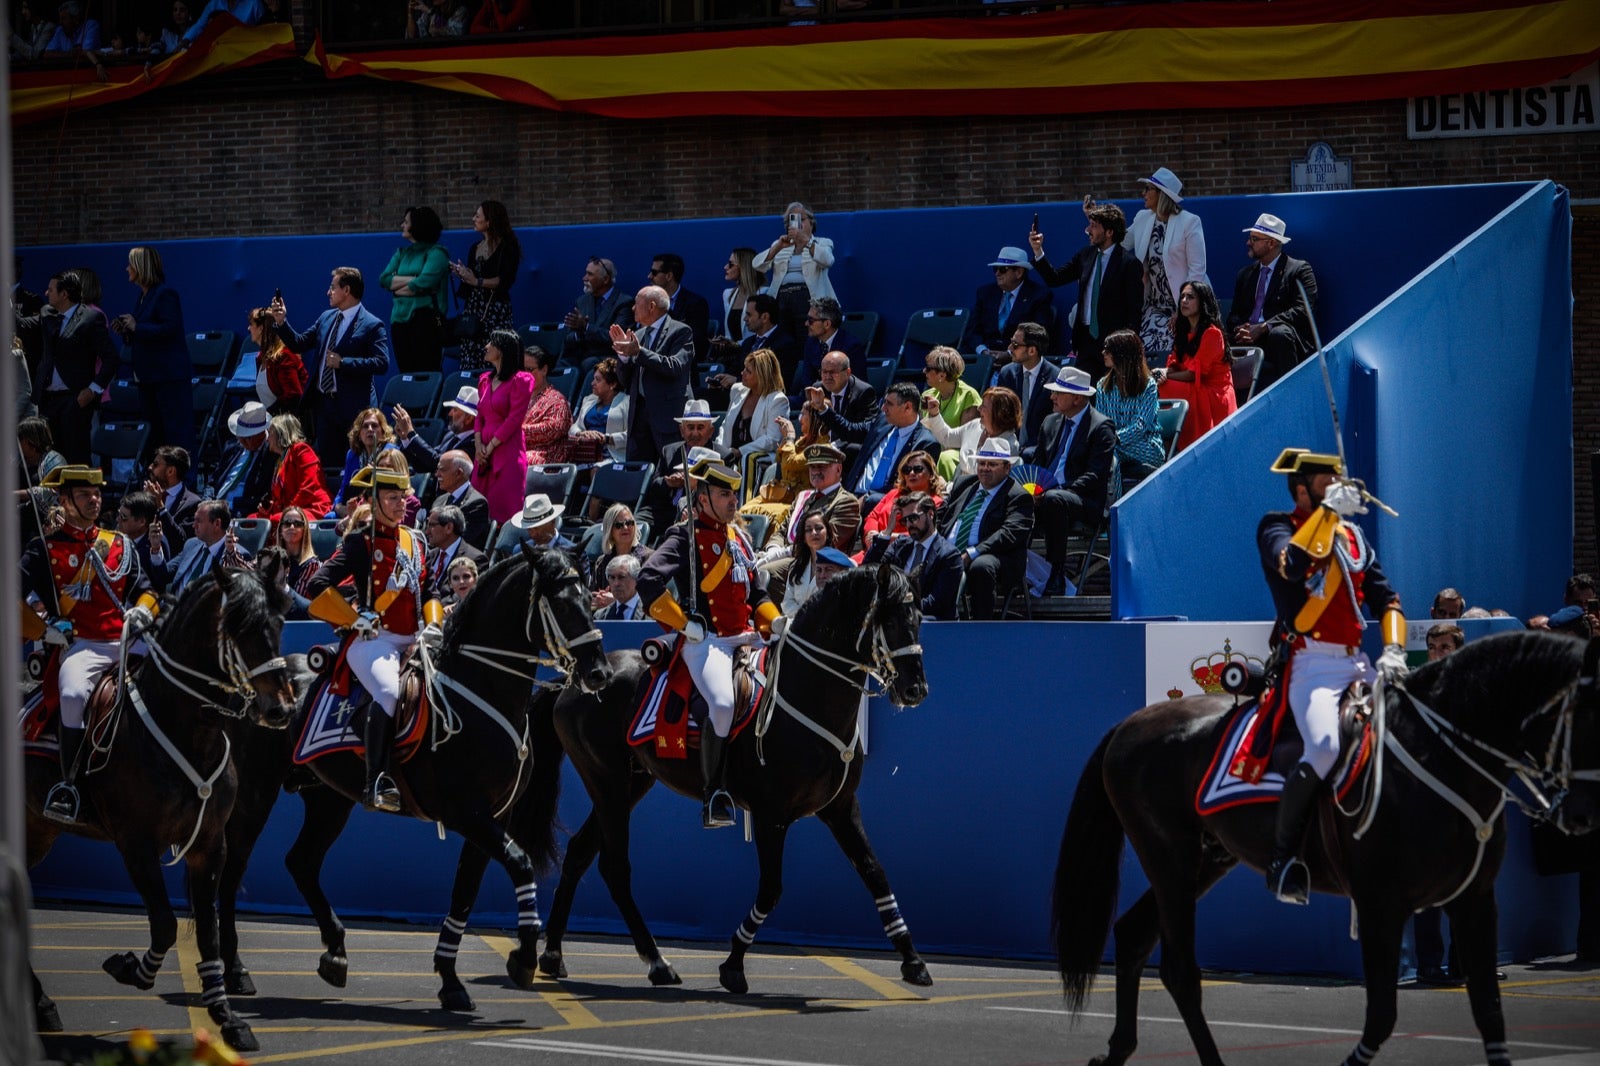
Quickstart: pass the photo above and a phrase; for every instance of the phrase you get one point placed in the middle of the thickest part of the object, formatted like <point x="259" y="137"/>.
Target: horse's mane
<point x="548" y="564"/>
<point x="834" y="613"/>
<point x="1496" y="671"/>
<point x="251" y="603"/>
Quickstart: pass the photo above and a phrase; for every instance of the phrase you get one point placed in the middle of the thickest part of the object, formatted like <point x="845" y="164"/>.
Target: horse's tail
<point x="533" y="820"/>
<point x="1084" y="898"/>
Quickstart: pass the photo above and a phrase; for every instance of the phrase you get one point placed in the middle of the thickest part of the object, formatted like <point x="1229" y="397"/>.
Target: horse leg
<point x="769" y="852"/>
<point x="1474" y="925"/>
<point x="250" y="812"/>
<point x="204" y="870"/>
<point x="1381" y="930"/>
<point x="139" y="858"/>
<point x="617" y="871"/>
<point x="581" y="850"/>
<point x="489" y="837"/>
<point x="326" y="813"/>
<point x="46" y="1018"/>
<point x="843" y="820"/>
<point x="469" y="878"/>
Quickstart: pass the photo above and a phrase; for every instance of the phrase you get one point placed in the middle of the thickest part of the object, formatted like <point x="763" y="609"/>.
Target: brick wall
<point x="278" y="150"/>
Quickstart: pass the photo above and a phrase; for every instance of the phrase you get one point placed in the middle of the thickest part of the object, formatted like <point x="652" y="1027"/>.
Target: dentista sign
<point x="1565" y="106"/>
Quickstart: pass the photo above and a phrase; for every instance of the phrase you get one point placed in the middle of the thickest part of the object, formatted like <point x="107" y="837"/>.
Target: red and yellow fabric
<point x="396" y="601"/>
<point x="94" y="616"/>
<point x="42" y="93"/>
<point x="1331" y="616"/>
<point x="1120" y="58"/>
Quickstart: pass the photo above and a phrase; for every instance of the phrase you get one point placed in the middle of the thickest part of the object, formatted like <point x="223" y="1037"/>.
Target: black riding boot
<point x="1287" y="876"/>
<point x="717" y="810"/>
<point x="381" y="793"/>
<point x="61" y="804"/>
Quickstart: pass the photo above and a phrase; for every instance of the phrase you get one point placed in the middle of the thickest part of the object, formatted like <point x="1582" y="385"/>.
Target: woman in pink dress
<point x="503" y="394"/>
<point x="544" y="427"/>
<point x="1199" y="369"/>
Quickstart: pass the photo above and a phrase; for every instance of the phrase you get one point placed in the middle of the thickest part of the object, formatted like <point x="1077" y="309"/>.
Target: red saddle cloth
<point x="669" y="710"/>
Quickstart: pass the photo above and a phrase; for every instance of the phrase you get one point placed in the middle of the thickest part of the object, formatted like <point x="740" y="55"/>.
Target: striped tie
<point x="969" y="516"/>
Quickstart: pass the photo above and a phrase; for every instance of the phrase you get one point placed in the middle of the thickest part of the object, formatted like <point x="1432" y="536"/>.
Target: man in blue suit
<point x="342" y="351"/>
<point x="926" y="555"/>
<point x="897" y="431"/>
<point x="824" y="336"/>
<point x="1001" y="306"/>
<point x="1027" y="375"/>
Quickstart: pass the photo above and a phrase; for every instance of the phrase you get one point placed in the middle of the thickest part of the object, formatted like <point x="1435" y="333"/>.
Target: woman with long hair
<point x="915" y="473"/>
<point x="754" y="405"/>
<point x="484" y="281"/>
<point x="802" y="572"/>
<point x="1200" y="369"/>
<point x="998" y="414"/>
<point x="292" y="533"/>
<point x="369" y="434"/>
<point x="745" y="282"/>
<point x="500" y="469"/>
<point x="157" y="351"/>
<point x="281" y="376"/>
<point x="416" y="275"/>
<point x="1127" y="396"/>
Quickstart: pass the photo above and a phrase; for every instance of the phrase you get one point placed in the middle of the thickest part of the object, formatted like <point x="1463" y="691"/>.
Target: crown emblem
<point x="1207" y="670"/>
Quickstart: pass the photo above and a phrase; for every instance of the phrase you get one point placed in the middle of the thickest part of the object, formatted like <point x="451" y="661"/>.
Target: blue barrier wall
<point x="965" y="798"/>
<point x="1456" y="398"/>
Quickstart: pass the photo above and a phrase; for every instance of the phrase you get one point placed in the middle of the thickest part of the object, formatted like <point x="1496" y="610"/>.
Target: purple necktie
<point x="1261" y="293"/>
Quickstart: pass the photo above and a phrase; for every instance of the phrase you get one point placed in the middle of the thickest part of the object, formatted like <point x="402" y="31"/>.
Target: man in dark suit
<point x="655" y="363"/>
<point x="601" y="305"/>
<point x="622" y="585"/>
<point x="80" y="359"/>
<point x="346" y="347"/>
<point x="1267" y="310"/>
<point x="1004" y="304"/>
<point x="896" y="431"/>
<point x="690" y="308"/>
<point x="424" y="457"/>
<point x="988" y="517"/>
<point x="243" y="477"/>
<point x="445" y="532"/>
<point x="455" y="490"/>
<point x="1027" y="374"/>
<point x="169" y="470"/>
<point x="763" y="331"/>
<point x="1078" y="445"/>
<point x="927" y="556"/>
<point x="1110" y="283"/>
<point x="136" y="517"/>
<point x="824" y="335"/>
<point x="212" y="545"/>
<point x="695" y="428"/>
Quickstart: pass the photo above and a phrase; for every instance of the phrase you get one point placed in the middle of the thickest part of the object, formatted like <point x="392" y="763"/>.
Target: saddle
<point x="669" y="711"/>
<point x="336" y="721"/>
<point x="41" y="708"/>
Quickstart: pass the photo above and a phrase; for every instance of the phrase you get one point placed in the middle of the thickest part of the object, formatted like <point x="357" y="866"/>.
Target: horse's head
<point x="873" y="617"/>
<point x="560" y="620"/>
<point x="253" y="606"/>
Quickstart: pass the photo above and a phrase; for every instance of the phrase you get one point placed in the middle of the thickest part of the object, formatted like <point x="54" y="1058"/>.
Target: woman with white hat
<point x="1171" y="244"/>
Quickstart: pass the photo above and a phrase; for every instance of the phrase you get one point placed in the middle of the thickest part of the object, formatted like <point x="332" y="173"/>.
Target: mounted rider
<point x="728" y="598"/>
<point x="1321" y="571"/>
<point x="387" y="562"/>
<point x="95" y="594"/>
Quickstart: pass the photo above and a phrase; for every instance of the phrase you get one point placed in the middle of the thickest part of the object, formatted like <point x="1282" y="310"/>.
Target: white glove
<point x="779" y="624"/>
<point x="137" y="619"/>
<point x="432" y="636"/>
<point x="1392" y="663"/>
<point x="58" y="632"/>
<point x="694" y="632"/>
<point x="366" y="625"/>
<point x="1343" y="499"/>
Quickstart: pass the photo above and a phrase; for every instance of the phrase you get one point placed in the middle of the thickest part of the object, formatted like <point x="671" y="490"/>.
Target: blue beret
<point x="1566" y="616"/>
<point x="833" y="555"/>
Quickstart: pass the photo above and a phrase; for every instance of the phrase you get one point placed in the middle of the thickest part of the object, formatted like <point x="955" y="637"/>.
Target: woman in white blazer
<point x="999" y="415"/>
<point x="799" y="261"/>
<point x="755" y="404"/>
<point x="1182" y="259"/>
<point x="605" y="391"/>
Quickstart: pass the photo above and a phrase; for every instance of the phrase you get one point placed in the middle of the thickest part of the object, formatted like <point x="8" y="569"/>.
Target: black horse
<point x="466" y="777"/>
<point x="1492" y="704"/>
<point x="167" y="779"/>
<point x="797" y="762"/>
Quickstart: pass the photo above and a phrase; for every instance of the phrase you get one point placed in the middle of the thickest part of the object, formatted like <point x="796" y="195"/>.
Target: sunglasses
<point x="291" y="523"/>
<point x="622" y="522"/>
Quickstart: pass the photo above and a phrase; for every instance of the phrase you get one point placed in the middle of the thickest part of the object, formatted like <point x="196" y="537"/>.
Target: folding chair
<point x="757" y="526"/>
<point x="212" y="352"/>
<point x="567" y="382"/>
<point x="1169" y="420"/>
<point x="555" y="480"/>
<point x="551" y="336"/>
<point x="1246" y="369"/>
<point x="863" y="326"/>
<point x="622" y="482"/>
<point x="415" y="391"/>
<point x="880" y="373"/>
<point x="117" y="447"/>
<point x="325" y="537"/>
<point x="122" y="402"/>
<point x="926" y="330"/>
<point x="242" y="381"/>
<point x="429" y="429"/>
<point x="976" y="372"/>
<point x="252" y="533"/>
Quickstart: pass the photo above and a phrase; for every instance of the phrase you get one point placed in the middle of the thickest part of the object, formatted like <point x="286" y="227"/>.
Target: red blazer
<point x="298" y="483"/>
<point x="287" y="379"/>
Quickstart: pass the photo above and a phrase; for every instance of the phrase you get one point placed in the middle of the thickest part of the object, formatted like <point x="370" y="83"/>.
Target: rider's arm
<point x="658" y="579"/>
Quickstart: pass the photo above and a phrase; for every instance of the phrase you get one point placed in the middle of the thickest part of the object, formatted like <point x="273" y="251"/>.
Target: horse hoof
<point x="239" y="1037"/>
<point x="124" y="969"/>
<point x="237" y="982"/>
<point x="334" y="969"/>
<point x="916" y="973"/>
<point x="521" y="976"/>
<point x="662" y="973"/>
<point x="733" y="979"/>
<point x="551" y="964"/>
<point x="456" y="999"/>
<point x="46" y="1019"/>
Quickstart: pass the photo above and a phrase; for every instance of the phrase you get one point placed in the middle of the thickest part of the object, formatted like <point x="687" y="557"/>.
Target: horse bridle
<point x="558" y="654"/>
<point x="238" y="675"/>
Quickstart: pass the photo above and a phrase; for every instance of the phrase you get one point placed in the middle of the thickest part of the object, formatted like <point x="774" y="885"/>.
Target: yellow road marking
<point x="1544" y="996"/>
<point x="188" y="949"/>
<point x="888" y="989"/>
<point x="1589" y="978"/>
<point x="574" y="1013"/>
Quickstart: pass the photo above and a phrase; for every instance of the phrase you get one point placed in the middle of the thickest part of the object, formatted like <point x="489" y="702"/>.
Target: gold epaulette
<point x="667" y="611"/>
<point x="332" y="608"/>
<point x="1315" y="538"/>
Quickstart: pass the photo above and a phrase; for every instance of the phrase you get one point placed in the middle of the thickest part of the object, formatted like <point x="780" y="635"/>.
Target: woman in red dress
<point x="1199" y="369"/>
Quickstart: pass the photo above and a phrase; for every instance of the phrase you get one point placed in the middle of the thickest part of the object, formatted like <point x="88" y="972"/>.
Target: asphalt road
<point x="806" y="1007"/>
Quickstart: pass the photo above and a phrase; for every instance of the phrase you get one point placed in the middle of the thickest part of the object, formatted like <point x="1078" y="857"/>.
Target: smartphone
<point x="277" y="294"/>
<point x="794" y="223"/>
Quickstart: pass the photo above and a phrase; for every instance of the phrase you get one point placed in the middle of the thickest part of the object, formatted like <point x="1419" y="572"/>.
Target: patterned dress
<point x="492" y="306"/>
<point x="1155" y="328"/>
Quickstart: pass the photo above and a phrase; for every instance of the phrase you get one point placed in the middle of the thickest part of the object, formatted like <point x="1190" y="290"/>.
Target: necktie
<point x="1066" y="443"/>
<point x="877" y="466"/>
<point x="325" y="380"/>
<point x="196" y="567"/>
<point x="1006" y="303"/>
<point x="916" y="560"/>
<point x="234" y="481"/>
<point x="1094" y="295"/>
<point x="1261" y="293"/>
<point x="650" y="338"/>
<point x="969" y="517"/>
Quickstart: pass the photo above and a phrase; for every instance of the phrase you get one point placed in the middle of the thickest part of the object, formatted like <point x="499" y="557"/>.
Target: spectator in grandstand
<point x="800" y="581"/>
<point x="824" y="335"/>
<point x="214" y="544"/>
<point x="798" y="262"/>
<point x="484" y="280"/>
<point x="1006" y="303"/>
<point x="745" y="282"/>
<point x="136" y="517"/>
<point x="293" y="534"/>
<point x="655" y="363"/>
<point x="1199" y="370"/>
<point x="775" y="498"/>
<point x="952" y="397"/>
<point x="1444" y="639"/>
<point x="30" y="35"/>
<point x="74" y="33"/>
<point x="599" y="430"/>
<point x="423" y="455"/>
<point x="168" y="473"/>
<point x="503" y="16"/>
<point x="1171" y="245"/>
<point x="351" y="344"/>
<point x="504" y="390"/>
<point x="619" y="536"/>
<point x="754" y="406"/>
<point x="454" y="488"/>
<point x="690" y="308"/>
<point x="36" y="446"/>
<point x="855" y="402"/>
<point x="463" y="578"/>
<point x="1110" y="282"/>
<point x="1127" y="396"/>
<point x="445" y="531"/>
<point x="1447" y="604"/>
<point x="988" y="517"/>
<point x="840" y="510"/>
<point x="182" y="22"/>
<point x="417" y="274"/>
<point x="998" y="414"/>
<point x="545" y="425"/>
<point x="622" y="590"/>
<point x="762" y="330"/>
<point x="248" y="12"/>
<point x="1078" y="445"/>
<point x="1267" y="310"/>
<point x="695" y="429"/>
<point x="297" y="482"/>
<point x="80" y="359"/>
<point x="1581" y="592"/>
<point x="1570" y="620"/>
<point x="1026" y="374"/>
<point x="538" y="517"/>
<point x="926" y="555"/>
<point x="915" y="474"/>
<point x="153" y="333"/>
<point x="369" y="435"/>
<point x="895" y="433"/>
<point x="601" y="305"/>
<point x="436" y="18"/>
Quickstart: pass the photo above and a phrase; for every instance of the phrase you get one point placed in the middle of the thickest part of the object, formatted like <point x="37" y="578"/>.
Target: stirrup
<point x="383" y="795"/>
<point x="718" y="811"/>
<point x="1289" y="881"/>
<point x="61" y="804"/>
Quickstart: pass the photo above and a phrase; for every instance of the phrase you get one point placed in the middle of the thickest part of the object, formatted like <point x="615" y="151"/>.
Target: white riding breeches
<point x="376" y="662"/>
<point x="82" y="666"/>
<point x="710" y="663"/>
<point x="1317" y="679"/>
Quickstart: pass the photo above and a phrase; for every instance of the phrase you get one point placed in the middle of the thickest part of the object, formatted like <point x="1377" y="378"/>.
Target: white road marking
<point x="1307" y="1029"/>
<point x="611" y="1051"/>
